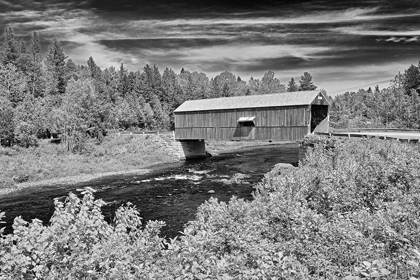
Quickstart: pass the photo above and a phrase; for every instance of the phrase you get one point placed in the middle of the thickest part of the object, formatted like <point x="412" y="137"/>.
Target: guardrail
<point x="385" y="137"/>
<point x="155" y="132"/>
<point x="338" y="130"/>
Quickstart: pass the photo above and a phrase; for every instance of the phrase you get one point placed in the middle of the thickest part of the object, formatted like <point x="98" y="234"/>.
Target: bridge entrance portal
<point x="318" y="114"/>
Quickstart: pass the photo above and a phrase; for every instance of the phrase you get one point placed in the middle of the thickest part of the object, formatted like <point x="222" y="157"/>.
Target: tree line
<point x="397" y="106"/>
<point x="45" y="95"/>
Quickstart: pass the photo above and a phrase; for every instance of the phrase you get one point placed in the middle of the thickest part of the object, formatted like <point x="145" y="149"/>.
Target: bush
<point x="350" y="211"/>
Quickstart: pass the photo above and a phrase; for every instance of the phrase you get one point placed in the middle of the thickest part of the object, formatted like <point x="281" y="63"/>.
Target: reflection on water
<point x="170" y="193"/>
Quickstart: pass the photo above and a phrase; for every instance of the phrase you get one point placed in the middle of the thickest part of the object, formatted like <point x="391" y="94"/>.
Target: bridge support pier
<point x="193" y="149"/>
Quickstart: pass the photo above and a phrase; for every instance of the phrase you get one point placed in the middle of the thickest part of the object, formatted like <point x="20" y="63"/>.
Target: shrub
<point x="350" y="211"/>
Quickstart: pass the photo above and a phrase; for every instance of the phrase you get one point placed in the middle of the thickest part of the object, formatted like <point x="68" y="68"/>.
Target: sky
<point x="345" y="45"/>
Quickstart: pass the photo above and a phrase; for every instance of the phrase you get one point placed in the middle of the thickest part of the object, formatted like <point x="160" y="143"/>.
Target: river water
<point x="170" y="193"/>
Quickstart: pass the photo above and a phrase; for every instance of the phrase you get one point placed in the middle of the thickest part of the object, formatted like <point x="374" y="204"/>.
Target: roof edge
<point x="241" y="108"/>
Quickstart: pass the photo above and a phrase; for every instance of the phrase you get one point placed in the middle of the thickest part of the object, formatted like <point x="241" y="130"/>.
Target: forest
<point x="397" y="106"/>
<point x="49" y="95"/>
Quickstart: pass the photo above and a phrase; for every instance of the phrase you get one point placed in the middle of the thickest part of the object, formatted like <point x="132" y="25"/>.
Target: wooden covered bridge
<point x="285" y="116"/>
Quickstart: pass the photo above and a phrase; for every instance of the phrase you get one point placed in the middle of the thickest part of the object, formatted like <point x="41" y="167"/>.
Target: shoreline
<point x="85" y="178"/>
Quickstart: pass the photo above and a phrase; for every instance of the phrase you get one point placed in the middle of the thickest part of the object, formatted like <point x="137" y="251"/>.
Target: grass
<point x="215" y="146"/>
<point x="117" y="154"/>
<point x="51" y="164"/>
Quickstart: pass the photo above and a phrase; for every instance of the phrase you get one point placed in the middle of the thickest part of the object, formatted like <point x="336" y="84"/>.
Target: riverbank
<point x="49" y="164"/>
<point x="215" y="147"/>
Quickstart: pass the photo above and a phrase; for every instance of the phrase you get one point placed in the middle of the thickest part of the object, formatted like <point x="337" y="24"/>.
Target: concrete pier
<point x="193" y="148"/>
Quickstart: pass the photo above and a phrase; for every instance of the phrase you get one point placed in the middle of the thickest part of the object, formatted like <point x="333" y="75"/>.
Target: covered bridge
<point x="279" y="116"/>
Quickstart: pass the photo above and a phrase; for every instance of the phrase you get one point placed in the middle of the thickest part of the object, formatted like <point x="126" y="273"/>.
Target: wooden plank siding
<point x="277" y="123"/>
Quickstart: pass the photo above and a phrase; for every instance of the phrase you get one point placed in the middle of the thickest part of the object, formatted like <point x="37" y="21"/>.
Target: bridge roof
<point x="297" y="98"/>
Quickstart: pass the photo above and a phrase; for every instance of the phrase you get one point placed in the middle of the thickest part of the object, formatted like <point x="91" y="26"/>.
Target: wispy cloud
<point x="335" y="40"/>
<point x="10" y="5"/>
<point x="360" y="30"/>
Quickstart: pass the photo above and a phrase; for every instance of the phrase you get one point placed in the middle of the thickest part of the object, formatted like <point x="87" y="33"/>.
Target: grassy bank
<point x="215" y="147"/>
<point x="50" y="163"/>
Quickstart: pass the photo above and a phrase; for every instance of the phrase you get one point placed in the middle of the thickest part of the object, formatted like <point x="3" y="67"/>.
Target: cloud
<point x="332" y="39"/>
<point x="9" y="5"/>
<point x="360" y="30"/>
<point x="400" y="39"/>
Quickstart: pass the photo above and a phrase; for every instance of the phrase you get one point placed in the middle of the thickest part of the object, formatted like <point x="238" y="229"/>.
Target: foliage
<point x="292" y="86"/>
<point x="306" y="82"/>
<point x="397" y="106"/>
<point x="6" y="121"/>
<point x="349" y="211"/>
<point x="119" y="99"/>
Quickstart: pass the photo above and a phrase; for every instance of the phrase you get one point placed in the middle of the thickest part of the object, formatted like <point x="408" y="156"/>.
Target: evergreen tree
<point x="171" y="88"/>
<point x="306" y="82"/>
<point x="123" y="84"/>
<point x="35" y="47"/>
<point x="10" y="50"/>
<point x="94" y="70"/>
<point x="56" y="65"/>
<point x="71" y="70"/>
<point x="36" y="79"/>
<point x="292" y="86"/>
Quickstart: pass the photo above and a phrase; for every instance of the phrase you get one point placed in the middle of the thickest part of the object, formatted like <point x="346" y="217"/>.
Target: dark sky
<point x="343" y="44"/>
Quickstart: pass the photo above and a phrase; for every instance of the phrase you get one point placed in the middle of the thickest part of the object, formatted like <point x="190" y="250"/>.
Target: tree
<point x="36" y="79"/>
<point x="56" y="65"/>
<point x="28" y="122"/>
<point x="170" y="86"/>
<point x="13" y="84"/>
<point x="94" y="70"/>
<point x="123" y="115"/>
<point x="194" y="86"/>
<point x="292" y="86"/>
<point x="306" y="82"/>
<point x="123" y="84"/>
<point x="10" y="50"/>
<point x="79" y="115"/>
<point x="224" y="85"/>
<point x="270" y="84"/>
<point x="411" y="79"/>
<point x="6" y="122"/>
<point x="71" y="70"/>
<point x="254" y="86"/>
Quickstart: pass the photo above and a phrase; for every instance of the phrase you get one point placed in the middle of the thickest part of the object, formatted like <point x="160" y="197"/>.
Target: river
<point x="170" y="193"/>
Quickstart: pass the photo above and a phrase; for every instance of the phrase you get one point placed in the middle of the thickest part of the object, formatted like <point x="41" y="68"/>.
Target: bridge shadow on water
<point x="170" y="193"/>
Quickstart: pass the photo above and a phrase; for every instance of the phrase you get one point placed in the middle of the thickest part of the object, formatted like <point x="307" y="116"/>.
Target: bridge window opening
<point x="246" y="121"/>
